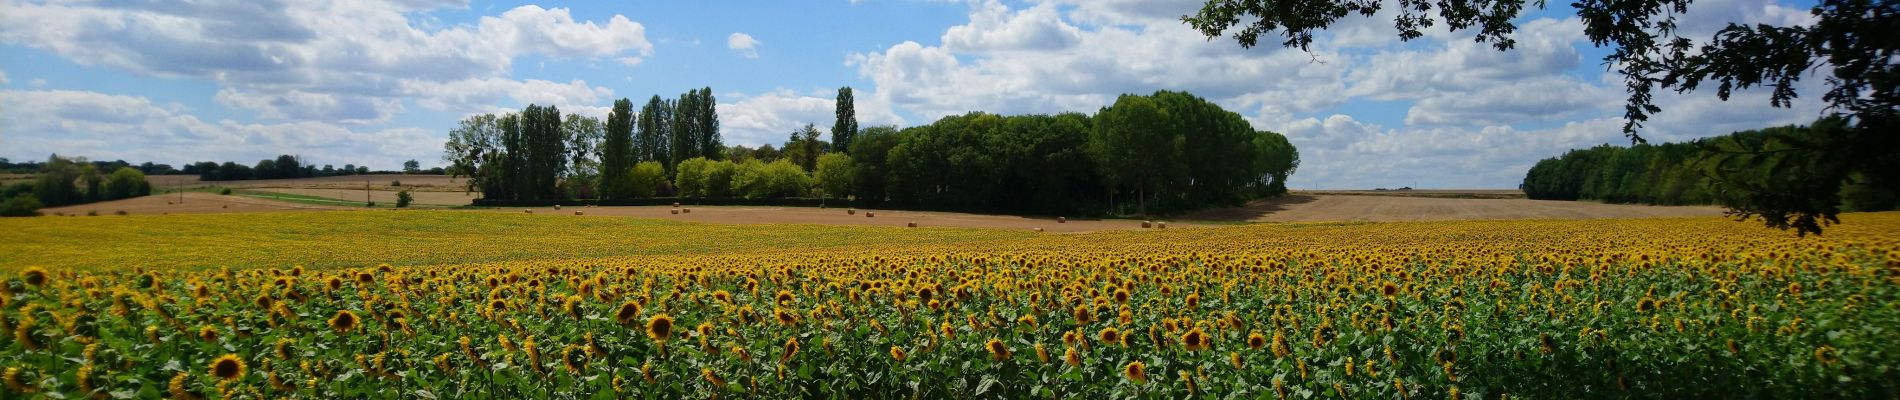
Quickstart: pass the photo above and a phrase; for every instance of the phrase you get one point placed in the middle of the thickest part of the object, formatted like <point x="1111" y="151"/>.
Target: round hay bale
<point x="676" y="204"/>
<point x="1147" y="224"/>
<point x="1062" y="220"/>
<point x="1161" y="225"/>
<point x="853" y="211"/>
<point x="577" y="212"/>
<point x="527" y="211"/>
<point x="557" y="207"/>
<point x="1038" y="229"/>
<point x="676" y="211"/>
<point x="912" y="224"/>
<point x="686" y="211"/>
<point x="225" y="206"/>
<point x="868" y="214"/>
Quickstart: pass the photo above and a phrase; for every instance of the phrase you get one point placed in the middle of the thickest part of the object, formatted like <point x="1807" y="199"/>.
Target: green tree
<point x="403" y="198"/>
<point x="1849" y="37"/>
<point x="803" y="148"/>
<point x="647" y="178"/>
<point x="584" y="137"/>
<point x="655" y="125"/>
<point x="716" y="179"/>
<point x="411" y="167"/>
<point x="474" y="140"/>
<point x="55" y="184"/>
<point x="95" y="182"/>
<point x="20" y="206"/>
<point x="690" y="177"/>
<point x="835" y="174"/>
<point x="846" y="128"/>
<point x="1135" y="150"/>
<point x="127" y="183"/>
<point x="617" y="150"/>
<point x="711" y="145"/>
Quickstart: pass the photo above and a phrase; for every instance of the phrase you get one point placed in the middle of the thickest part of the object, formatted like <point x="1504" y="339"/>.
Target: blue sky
<point x="378" y="82"/>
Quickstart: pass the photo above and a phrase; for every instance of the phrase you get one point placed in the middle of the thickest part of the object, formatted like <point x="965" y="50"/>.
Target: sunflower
<point x="572" y="305"/>
<point x="19" y="381"/>
<point x="286" y="347"/>
<point x="208" y="333"/>
<point x="628" y="313"/>
<point x="660" y="328"/>
<point x="1072" y="357"/>
<point x="344" y="321"/>
<point x="791" y="349"/>
<point x="573" y="356"/>
<point x="228" y="367"/>
<point x="1389" y="289"/>
<point x="712" y="377"/>
<point x="35" y="276"/>
<point x="1111" y="335"/>
<point x="1256" y="340"/>
<point x="897" y="353"/>
<point x="1136" y="372"/>
<point x="1121" y="296"/>
<point x="1195" y="340"/>
<point x="1042" y="353"/>
<point x="785" y="317"/>
<point x="998" y="351"/>
<point x="784" y="297"/>
<point x="1280" y="349"/>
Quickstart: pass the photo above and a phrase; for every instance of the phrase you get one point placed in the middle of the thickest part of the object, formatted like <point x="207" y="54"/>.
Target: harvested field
<point x="1320" y="208"/>
<point x="194" y="203"/>
<point x="383" y="195"/>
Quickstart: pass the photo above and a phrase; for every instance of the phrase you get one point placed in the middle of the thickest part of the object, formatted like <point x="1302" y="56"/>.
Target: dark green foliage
<point x="684" y="134"/>
<point x="710" y="143"/>
<point x="403" y="198"/>
<point x="20" y="206"/>
<point x="1131" y="157"/>
<point x="655" y="129"/>
<point x="127" y="182"/>
<point x="1851" y="38"/>
<point x="55" y="186"/>
<point x="617" y="152"/>
<point x="803" y="148"/>
<point x="16" y="189"/>
<point x="1758" y="169"/>
<point x="846" y="128"/>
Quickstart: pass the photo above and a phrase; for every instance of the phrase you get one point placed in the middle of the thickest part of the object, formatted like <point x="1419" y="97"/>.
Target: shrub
<point x="395" y="183"/>
<point x="690" y="177"/>
<point x="403" y="198"/>
<point x="24" y="205"/>
<point x="224" y="191"/>
<point x="127" y="182"/>
<point x="646" y="179"/>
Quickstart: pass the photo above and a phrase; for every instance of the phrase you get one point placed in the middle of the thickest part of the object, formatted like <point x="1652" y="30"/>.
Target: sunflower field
<point x="1659" y="308"/>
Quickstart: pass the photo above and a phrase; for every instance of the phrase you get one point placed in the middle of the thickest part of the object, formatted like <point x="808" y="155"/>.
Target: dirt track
<point x="1320" y="208"/>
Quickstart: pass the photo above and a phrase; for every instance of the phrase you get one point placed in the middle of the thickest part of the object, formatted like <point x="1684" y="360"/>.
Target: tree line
<point x="1159" y="153"/>
<point x="64" y="181"/>
<point x="1715" y="170"/>
<point x="287" y="167"/>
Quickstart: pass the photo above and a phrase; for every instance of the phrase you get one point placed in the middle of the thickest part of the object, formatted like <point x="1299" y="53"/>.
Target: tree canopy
<point x="1850" y="40"/>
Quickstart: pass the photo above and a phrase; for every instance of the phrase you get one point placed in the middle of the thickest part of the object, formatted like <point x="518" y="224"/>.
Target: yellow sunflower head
<point x="660" y="328"/>
<point x="228" y="367"/>
<point x="1136" y="372"/>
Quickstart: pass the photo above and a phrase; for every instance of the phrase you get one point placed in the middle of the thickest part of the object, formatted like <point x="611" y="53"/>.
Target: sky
<point x="377" y="82"/>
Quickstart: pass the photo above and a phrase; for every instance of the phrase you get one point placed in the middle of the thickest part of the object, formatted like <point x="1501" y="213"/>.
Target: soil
<point x="194" y="203"/>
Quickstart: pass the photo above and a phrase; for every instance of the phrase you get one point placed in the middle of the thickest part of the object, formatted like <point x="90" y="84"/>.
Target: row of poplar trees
<point x="535" y="154"/>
